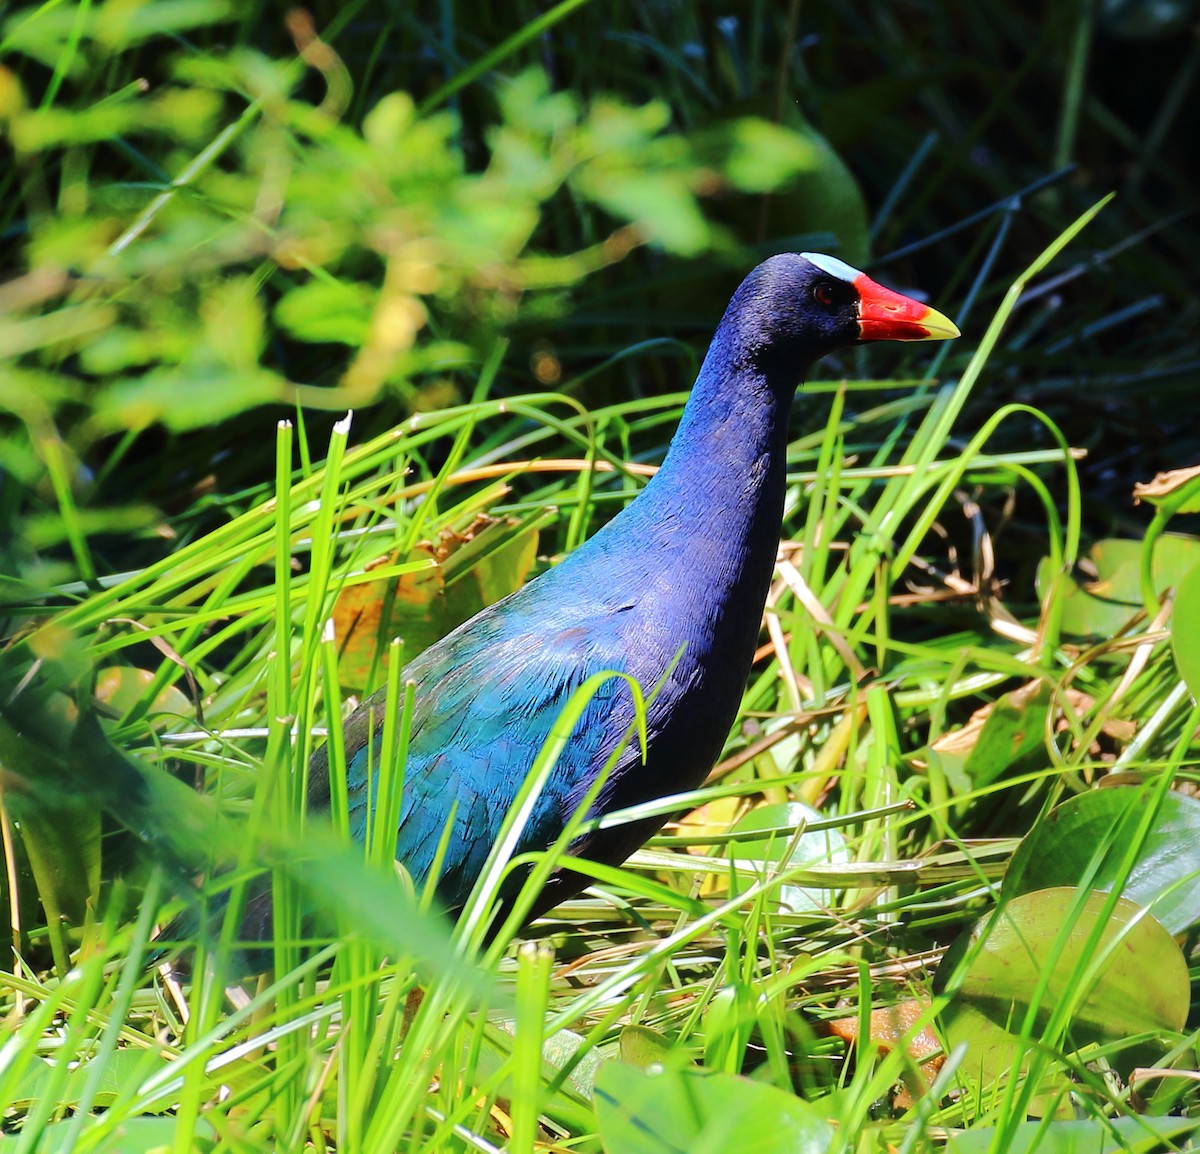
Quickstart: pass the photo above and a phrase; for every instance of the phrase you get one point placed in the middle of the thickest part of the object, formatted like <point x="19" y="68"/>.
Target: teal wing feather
<point x="485" y="701"/>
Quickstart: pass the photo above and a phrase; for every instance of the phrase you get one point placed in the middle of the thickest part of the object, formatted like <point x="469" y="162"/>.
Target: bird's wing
<point x="486" y="698"/>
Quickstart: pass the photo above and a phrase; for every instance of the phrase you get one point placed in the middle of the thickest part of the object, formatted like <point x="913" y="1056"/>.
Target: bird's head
<point x="797" y="307"/>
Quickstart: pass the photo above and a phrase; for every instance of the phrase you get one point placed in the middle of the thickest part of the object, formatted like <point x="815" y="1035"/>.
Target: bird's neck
<point x="706" y="528"/>
<point x="723" y="476"/>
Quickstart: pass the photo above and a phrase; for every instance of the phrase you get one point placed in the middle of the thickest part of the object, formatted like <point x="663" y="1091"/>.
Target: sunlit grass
<point x="395" y="1044"/>
<point x="938" y="522"/>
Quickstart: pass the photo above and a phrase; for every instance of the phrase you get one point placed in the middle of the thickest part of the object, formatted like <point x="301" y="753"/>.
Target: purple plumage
<point x="670" y="592"/>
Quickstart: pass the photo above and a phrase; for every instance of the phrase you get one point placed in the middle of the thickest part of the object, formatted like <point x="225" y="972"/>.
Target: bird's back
<point x="486" y="698"/>
<point x="488" y="694"/>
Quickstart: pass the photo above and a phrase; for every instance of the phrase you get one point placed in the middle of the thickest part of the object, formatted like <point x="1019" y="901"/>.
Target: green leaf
<point x="73" y="242"/>
<point x="1035" y="957"/>
<point x="44" y="530"/>
<point x="570" y="1102"/>
<point x="644" y="1047"/>
<point x="1141" y="1134"/>
<point x="823" y="846"/>
<point x="234" y="324"/>
<point x="729" y="1022"/>
<point x="1006" y="736"/>
<point x="180" y="115"/>
<point x="662" y="1111"/>
<point x="323" y="311"/>
<point x="133" y="1136"/>
<point x="124" y="1072"/>
<point x="1012" y="735"/>
<point x="124" y="687"/>
<point x="761" y="157"/>
<point x="528" y="103"/>
<point x="814" y="190"/>
<point x="1185" y="631"/>
<point x="40" y="129"/>
<point x="1084" y="841"/>
<point x="1102" y="607"/>
<point x="642" y="177"/>
<point x="565" y="1046"/>
<point x="188" y="397"/>
<point x="122" y="25"/>
<point x="660" y="203"/>
<point x="121" y="347"/>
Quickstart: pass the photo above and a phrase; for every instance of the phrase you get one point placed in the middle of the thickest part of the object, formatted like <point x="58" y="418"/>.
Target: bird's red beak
<point x="884" y="315"/>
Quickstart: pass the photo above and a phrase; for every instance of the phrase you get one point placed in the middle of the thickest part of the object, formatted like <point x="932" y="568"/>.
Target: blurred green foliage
<point x="187" y="248"/>
<point x="290" y="221"/>
<point x="206" y="209"/>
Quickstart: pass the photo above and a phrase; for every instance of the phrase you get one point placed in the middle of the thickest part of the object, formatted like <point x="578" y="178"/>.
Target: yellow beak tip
<point x="939" y="327"/>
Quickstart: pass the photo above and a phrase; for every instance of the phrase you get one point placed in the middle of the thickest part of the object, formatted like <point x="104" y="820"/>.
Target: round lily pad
<point x="664" y="1111"/>
<point x="1087" y="840"/>
<point x="1053" y="952"/>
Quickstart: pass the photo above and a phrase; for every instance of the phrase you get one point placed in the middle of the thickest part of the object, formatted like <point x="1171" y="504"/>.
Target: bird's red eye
<point x="823" y="295"/>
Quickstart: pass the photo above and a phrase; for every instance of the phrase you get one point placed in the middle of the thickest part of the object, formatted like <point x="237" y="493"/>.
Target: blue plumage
<point x="686" y="565"/>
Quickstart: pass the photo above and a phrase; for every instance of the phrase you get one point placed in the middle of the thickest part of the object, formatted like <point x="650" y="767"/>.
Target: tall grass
<point x="934" y="676"/>
<point x="417" y="1039"/>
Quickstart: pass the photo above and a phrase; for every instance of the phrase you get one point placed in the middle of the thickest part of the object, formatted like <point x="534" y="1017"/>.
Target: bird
<point x="670" y="592"/>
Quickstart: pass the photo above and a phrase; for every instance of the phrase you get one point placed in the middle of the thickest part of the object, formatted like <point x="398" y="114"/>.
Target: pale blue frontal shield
<point x="832" y="266"/>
